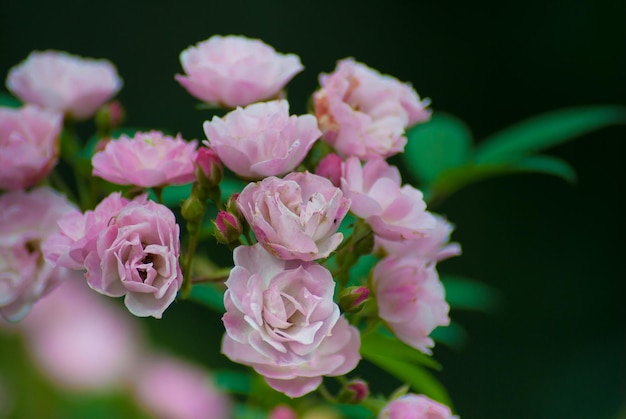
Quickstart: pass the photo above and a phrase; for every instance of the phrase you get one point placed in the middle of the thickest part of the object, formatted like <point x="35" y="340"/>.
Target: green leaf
<point x="233" y="381"/>
<point x="456" y="179"/>
<point x="547" y="165"/>
<point x="377" y="344"/>
<point x="209" y="295"/>
<point x="468" y="294"/>
<point x="439" y="145"/>
<point x="453" y="335"/>
<point x="545" y="131"/>
<point x="174" y="195"/>
<point x="417" y="377"/>
<point x="230" y="185"/>
<point x="9" y="101"/>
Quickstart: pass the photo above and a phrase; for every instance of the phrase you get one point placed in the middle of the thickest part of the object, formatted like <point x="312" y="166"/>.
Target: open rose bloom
<point x="148" y="159"/>
<point x="66" y="83"/>
<point x="235" y="71"/>
<point x="262" y="139"/>
<point x="27" y="220"/>
<point x="29" y="145"/>
<point x="411" y="299"/>
<point x="296" y="217"/>
<point x="363" y="113"/>
<point x="282" y="321"/>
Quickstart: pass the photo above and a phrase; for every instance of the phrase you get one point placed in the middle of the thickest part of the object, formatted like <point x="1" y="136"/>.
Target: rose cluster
<point x="284" y="313"/>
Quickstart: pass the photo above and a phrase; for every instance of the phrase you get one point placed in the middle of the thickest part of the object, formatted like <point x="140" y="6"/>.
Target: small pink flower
<point x="78" y="233"/>
<point x="66" y="83"/>
<point x="210" y="167"/>
<point x="80" y="340"/>
<point x="394" y="212"/>
<point x="413" y="406"/>
<point x="296" y="217"/>
<point x="281" y="320"/>
<point x="433" y="247"/>
<point x="170" y="388"/>
<point x="29" y="145"/>
<point x="27" y="219"/>
<point x="235" y="71"/>
<point x="411" y="299"/>
<point x="148" y="159"/>
<point x="363" y="113"/>
<point x="137" y="256"/>
<point x="262" y="140"/>
<point x="282" y="412"/>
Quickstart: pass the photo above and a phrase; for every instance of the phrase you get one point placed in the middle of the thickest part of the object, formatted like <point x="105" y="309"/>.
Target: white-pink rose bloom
<point x="281" y="320"/>
<point x="414" y="406"/>
<point x="434" y="247"/>
<point x="129" y="249"/>
<point x="63" y="82"/>
<point x="364" y="113"/>
<point x="148" y="159"/>
<point x="411" y="299"/>
<point x="393" y="211"/>
<point x="27" y="219"/>
<point x="170" y="388"/>
<point x="296" y="217"/>
<point x="29" y="145"/>
<point x="235" y="71"/>
<point x="261" y="139"/>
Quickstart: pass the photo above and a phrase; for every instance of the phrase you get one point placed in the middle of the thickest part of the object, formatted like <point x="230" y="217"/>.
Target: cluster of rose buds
<point x="293" y="312"/>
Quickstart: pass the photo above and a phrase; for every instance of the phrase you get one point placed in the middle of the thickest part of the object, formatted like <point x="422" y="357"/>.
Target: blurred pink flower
<point x="296" y="217"/>
<point x="394" y="212"/>
<point x="148" y="159"/>
<point x="29" y="145"/>
<point x="80" y="340"/>
<point x="169" y="388"/>
<point x="282" y="412"/>
<point x="262" y="140"/>
<point x="26" y="220"/>
<point x="411" y="299"/>
<point x="364" y="113"/>
<point x="281" y="320"/>
<point x="433" y="247"/>
<point x="413" y="406"/>
<point x="235" y="71"/>
<point x="66" y="83"/>
<point x="136" y="255"/>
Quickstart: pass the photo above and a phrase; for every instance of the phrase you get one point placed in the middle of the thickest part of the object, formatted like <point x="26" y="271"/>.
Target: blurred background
<point x="556" y="348"/>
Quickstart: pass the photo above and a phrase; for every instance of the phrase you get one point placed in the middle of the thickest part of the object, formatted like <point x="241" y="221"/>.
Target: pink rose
<point x="433" y="247"/>
<point x="29" y="145"/>
<point x="66" y="83"/>
<point x="78" y="233"/>
<point x="363" y="113"/>
<point x="170" y="388"/>
<point x="296" y="217"/>
<point x="235" y="71"/>
<point x="411" y="299"/>
<point x="80" y="340"/>
<point x="27" y="219"/>
<point x="394" y="212"/>
<point x="413" y="406"/>
<point x="148" y="159"/>
<point x="281" y="320"/>
<point x="136" y="255"/>
<point x="262" y="140"/>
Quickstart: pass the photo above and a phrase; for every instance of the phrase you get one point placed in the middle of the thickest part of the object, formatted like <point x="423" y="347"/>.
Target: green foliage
<point x="209" y="295"/>
<point x="236" y="382"/>
<point x="468" y="294"/>
<point x="440" y="145"/>
<point x="439" y="153"/>
<point x="545" y="131"/>
<point x="405" y="363"/>
<point x="9" y="101"/>
<point x="453" y="335"/>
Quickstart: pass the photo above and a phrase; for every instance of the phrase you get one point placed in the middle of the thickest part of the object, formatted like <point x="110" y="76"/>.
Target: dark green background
<point x="557" y="348"/>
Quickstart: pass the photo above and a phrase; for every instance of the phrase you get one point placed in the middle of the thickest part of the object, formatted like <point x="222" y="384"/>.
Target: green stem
<point x="185" y="289"/>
